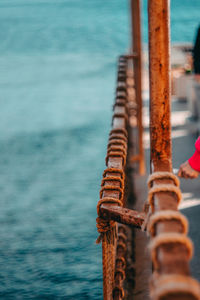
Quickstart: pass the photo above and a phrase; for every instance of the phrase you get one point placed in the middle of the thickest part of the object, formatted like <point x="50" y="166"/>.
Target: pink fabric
<point x="194" y="161"/>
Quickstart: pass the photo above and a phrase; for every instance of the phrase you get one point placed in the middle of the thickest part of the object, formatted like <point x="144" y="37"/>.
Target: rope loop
<point x="114" y="179"/>
<point x="118" y="136"/>
<point x="116" y="154"/>
<point x="122" y="236"/>
<point x="174" y="284"/>
<point x="121" y="272"/>
<point x="117" y="142"/>
<point x="114" y="171"/>
<point x="122" y="246"/>
<point x="157" y="188"/>
<point x="120" y="115"/>
<point x="112" y="188"/>
<point x="120" y="102"/>
<point x="167" y="215"/>
<point x="121" y="95"/>
<point x="116" y="148"/>
<point x="121" y="260"/>
<point x="118" y="289"/>
<point x="169" y="238"/>
<point x="106" y="227"/>
<point x="119" y="130"/>
<point x="107" y="200"/>
<point x="122" y="229"/>
<point x="163" y="175"/>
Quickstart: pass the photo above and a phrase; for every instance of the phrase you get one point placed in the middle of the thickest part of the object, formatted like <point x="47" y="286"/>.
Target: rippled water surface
<point x="57" y="62"/>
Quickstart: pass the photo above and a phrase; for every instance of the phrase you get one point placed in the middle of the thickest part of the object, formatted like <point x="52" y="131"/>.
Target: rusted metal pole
<point x="137" y="63"/>
<point x="159" y="66"/>
<point x="122" y="215"/>
<point x="172" y="259"/>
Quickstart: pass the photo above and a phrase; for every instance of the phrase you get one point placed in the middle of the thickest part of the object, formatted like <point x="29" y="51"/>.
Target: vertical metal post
<point x="171" y="260"/>
<point x="159" y="60"/>
<point x="137" y="63"/>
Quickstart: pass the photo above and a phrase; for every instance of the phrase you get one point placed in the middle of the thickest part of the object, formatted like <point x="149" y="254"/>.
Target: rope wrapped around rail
<point x="164" y="285"/>
<point x="113" y="237"/>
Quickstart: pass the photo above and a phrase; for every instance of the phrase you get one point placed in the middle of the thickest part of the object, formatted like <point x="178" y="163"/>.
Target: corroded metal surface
<point x="159" y="68"/>
<point x="172" y="258"/>
<point x="123" y="215"/>
<point x="137" y="68"/>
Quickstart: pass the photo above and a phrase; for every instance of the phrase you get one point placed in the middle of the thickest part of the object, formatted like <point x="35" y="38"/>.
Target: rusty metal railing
<point x="171" y="249"/>
<point x="111" y="206"/>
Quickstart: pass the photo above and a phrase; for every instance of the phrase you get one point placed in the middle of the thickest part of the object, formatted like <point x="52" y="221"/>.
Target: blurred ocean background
<point x="57" y="79"/>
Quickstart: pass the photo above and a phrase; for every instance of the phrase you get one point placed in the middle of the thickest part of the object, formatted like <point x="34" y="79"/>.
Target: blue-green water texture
<point x="57" y="78"/>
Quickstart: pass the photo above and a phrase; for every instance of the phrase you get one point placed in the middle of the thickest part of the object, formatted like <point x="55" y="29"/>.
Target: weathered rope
<point x="119" y="130"/>
<point x="112" y="188"/>
<point x="116" y="154"/>
<point x="120" y="115"/>
<point x="117" y="142"/>
<point x="116" y="148"/>
<point x="121" y="95"/>
<point x="119" y="102"/>
<point x="114" y="171"/>
<point x="166" y="285"/>
<point x="122" y="236"/>
<point x="114" y="179"/>
<point x="169" y="238"/>
<point x="121" y="260"/>
<point x="118" y="289"/>
<point x="119" y="136"/>
<point x="108" y="200"/>
<point x="163" y="175"/>
<point x="120" y="263"/>
<point x="167" y="215"/>
<point x="104" y="226"/>
<point x="163" y="188"/>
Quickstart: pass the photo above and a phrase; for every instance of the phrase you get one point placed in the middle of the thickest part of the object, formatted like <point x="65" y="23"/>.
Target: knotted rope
<point x="166" y="285"/>
<point x="106" y="227"/>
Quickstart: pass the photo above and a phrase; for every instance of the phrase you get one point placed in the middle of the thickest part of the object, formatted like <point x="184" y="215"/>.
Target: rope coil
<point x="116" y="148"/>
<point x="167" y="215"/>
<point x="121" y="95"/>
<point x="116" y="154"/>
<point x="118" y="136"/>
<point x="112" y="188"/>
<point x="120" y="115"/>
<point x="119" y="102"/>
<point x="163" y="188"/>
<point x="114" y="171"/>
<point x="166" y="285"/>
<point x="162" y="175"/>
<point x="114" y="179"/>
<point x="169" y="238"/>
<point x="104" y="226"/>
<point x="119" y="130"/>
<point x="118" y="289"/>
<point x="116" y="142"/>
<point x="121" y="260"/>
<point x="121" y="272"/>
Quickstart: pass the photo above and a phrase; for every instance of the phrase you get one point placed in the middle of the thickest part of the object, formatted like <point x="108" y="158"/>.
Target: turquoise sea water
<point x="57" y="63"/>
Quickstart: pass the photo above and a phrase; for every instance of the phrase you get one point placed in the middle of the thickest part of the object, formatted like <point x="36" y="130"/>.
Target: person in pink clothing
<point x="191" y="167"/>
